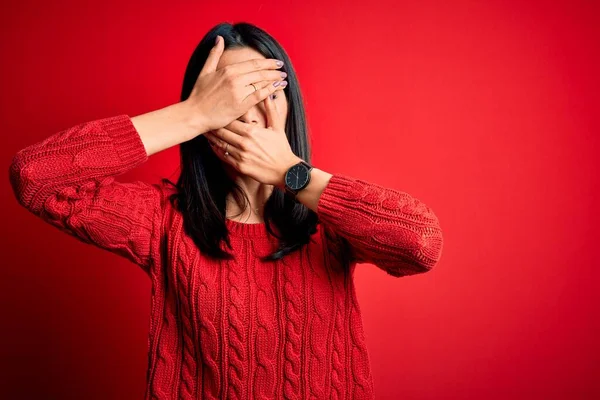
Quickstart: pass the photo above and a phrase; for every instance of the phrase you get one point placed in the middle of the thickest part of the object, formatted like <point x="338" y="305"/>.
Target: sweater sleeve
<point x="385" y="227"/>
<point x="68" y="180"/>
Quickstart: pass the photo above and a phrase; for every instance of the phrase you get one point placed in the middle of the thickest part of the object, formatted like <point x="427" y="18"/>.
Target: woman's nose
<point x="252" y="116"/>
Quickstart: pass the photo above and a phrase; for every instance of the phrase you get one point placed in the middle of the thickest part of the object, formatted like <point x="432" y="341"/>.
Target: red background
<point x="486" y="111"/>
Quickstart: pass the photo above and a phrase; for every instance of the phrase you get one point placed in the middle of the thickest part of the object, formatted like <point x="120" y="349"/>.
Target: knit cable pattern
<point x="237" y="333"/>
<point x="264" y="382"/>
<point x="294" y="310"/>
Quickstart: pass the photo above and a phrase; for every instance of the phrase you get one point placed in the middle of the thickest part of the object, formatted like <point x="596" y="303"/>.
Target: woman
<point x="251" y="252"/>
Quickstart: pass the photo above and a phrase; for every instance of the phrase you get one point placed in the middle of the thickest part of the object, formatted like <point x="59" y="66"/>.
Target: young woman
<point x="251" y="252"/>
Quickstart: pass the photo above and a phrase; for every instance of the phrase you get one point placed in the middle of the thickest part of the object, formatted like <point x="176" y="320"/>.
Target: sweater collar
<point x="247" y="230"/>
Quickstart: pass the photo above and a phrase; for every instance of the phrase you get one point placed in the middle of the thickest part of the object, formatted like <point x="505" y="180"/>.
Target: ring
<point x="226" y="152"/>
<point x="254" y="87"/>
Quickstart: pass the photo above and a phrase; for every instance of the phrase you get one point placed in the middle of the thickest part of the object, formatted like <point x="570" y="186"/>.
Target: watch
<point x="297" y="178"/>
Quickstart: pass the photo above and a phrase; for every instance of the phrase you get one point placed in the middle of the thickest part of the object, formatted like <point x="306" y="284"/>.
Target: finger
<point x="220" y="147"/>
<point x="214" y="142"/>
<point x="273" y="117"/>
<point x="240" y="128"/>
<point x="213" y="56"/>
<point x="251" y="88"/>
<point x="262" y="93"/>
<point x="263" y="75"/>
<point x="228" y="136"/>
<point x="256" y="64"/>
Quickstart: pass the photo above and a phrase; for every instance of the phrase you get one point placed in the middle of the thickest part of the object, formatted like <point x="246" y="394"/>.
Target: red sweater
<point x="230" y="329"/>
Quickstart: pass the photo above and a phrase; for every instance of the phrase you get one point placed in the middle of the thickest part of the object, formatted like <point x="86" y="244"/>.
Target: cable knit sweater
<point x="238" y="329"/>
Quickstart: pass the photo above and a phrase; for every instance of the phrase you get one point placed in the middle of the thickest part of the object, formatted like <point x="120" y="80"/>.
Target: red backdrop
<point x="486" y="111"/>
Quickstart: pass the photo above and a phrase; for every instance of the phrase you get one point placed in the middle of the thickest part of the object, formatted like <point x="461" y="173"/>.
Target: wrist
<point x="196" y="123"/>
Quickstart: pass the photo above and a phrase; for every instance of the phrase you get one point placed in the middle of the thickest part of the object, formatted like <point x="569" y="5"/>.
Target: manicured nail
<point x="279" y="63"/>
<point x="217" y="40"/>
<point x="284" y="84"/>
<point x="283" y="74"/>
<point x="277" y="83"/>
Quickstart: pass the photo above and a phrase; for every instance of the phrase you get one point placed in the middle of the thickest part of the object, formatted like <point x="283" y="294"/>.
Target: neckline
<point x="237" y="228"/>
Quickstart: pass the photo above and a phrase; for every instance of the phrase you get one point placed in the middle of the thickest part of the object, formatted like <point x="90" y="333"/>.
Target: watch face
<point x="297" y="176"/>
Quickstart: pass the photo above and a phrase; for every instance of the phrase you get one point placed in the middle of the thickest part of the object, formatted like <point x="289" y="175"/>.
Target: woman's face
<point x="256" y="114"/>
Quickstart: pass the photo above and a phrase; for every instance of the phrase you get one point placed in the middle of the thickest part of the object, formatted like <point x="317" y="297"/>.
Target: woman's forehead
<point x="238" y="55"/>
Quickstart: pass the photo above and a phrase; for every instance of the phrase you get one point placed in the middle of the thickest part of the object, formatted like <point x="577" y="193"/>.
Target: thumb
<point x="213" y="56"/>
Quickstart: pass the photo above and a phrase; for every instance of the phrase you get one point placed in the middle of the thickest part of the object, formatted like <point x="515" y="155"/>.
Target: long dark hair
<point x="204" y="184"/>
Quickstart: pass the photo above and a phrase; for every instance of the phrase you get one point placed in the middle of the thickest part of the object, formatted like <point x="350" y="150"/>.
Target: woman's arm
<point x="385" y="227"/>
<point x="68" y="180"/>
<point x="168" y="126"/>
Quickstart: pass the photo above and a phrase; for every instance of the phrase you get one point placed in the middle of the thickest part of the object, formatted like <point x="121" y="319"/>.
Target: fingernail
<point x="279" y="63"/>
<point x="217" y="40"/>
<point x="283" y="75"/>
<point x="277" y="83"/>
<point x="284" y="84"/>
